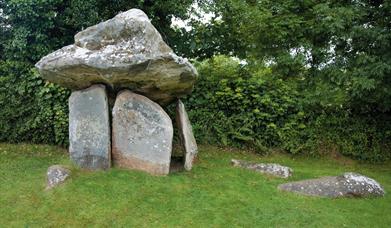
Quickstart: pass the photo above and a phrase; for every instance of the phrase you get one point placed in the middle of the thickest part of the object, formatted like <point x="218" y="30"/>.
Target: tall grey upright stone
<point x="186" y="136"/>
<point x="142" y="134"/>
<point x="89" y="128"/>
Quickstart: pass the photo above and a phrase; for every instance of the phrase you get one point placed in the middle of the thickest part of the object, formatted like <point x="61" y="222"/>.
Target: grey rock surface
<point x="346" y="185"/>
<point x="56" y="175"/>
<point x="268" y="168"/>
<point x="142" y="134"/>
<point x="123" y="52"/>
<point x="186" y="135"/>
<point x="89" y="128"/>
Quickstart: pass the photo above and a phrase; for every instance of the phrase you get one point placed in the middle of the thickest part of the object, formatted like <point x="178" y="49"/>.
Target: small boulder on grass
<point x="266" y="168"/>
<point x="346" y="185"/>
<point x="56" y="175"/>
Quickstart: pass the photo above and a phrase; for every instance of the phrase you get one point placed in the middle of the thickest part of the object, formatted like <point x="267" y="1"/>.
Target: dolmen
<point x="121" y="74"/>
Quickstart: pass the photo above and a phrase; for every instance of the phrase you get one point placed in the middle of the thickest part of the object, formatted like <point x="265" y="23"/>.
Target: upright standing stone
<point x="89" y="128"/>
<point x="186" y="135"/>
<point x="141" y="135"/>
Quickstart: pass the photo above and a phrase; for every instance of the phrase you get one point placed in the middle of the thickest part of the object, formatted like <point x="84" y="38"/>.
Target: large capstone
<point x="141" y="135"/>
<point x="346" y="185"/>
<point x="123" y="52"/>
<point x="89" y="128"/>
<point x="186" y="135"/>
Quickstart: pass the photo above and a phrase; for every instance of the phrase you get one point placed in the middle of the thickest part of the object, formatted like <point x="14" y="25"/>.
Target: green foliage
<point x="32" y="110"/>
<point x="309" y="39"/>
<point x="359" y="137"/>
<point x="248" y="106"/>
<point x="239" y="105"/>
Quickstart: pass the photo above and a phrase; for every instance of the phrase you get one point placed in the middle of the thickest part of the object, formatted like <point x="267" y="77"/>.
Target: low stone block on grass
<point x="265" y="168"/>
<point x="346" y="185"/>
<point x="56" y="175"/>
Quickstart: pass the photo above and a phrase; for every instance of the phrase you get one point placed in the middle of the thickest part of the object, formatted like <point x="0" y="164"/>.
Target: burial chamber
<point x="124" y="58"/>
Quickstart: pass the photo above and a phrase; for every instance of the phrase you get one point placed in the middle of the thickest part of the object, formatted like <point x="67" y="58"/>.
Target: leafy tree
<point x="336" y="52"/>
<point x="35" y="28"/>
<point x="364" y="54"/>
<point x="330" y="44"/>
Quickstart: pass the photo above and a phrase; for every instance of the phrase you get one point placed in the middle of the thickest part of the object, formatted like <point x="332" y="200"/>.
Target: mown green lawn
<point x="213" y="194"/>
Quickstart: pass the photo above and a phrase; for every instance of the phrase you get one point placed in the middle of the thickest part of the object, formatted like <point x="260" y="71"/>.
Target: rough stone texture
<point x="56" y="175"/>
<point x="89" y="128"/>
<point x="142" y="134"/>
<point x="346" y="185"/>
<point x="270" y="168"/>
<point x="123" y="52"/>
<point x="186" y="135"/>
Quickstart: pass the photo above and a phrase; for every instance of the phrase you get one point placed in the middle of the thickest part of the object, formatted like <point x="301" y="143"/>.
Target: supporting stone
<point x="185" y="130"/>
<point x="89" y="128"/>
<point x="141" y="135"/>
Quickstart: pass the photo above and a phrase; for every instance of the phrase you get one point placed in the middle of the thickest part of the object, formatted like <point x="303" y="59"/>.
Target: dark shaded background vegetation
<point x="316" y="77"/>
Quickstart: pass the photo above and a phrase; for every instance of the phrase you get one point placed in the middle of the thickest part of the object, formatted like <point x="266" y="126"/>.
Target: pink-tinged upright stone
<point x="142" y="134"/>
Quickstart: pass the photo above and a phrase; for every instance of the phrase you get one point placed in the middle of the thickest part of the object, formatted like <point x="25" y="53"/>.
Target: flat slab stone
<point x="56" y="175"/>
<point x="142" y="134"/>
<point x="89" y="128"/>
<point x="266" y="168"/>
<point x="346" y="185"/>
<point x="186" y="135"/>
<point x="123" y="52"/>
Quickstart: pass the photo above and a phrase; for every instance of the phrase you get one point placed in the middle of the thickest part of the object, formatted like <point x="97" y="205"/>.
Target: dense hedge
<point x="361" y="137"/>
<point x="249" y="106"/>
<point x="232" y="104"/>
<point x="237" y="106"/>
<point x="31" y="109"/>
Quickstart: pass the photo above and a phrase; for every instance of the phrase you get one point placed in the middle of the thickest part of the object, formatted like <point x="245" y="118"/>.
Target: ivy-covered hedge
<point x="362" y="137"/>
<point x="235" y="105"/>
<point x="31" y="110"/>
<point x="249" y="106"/>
